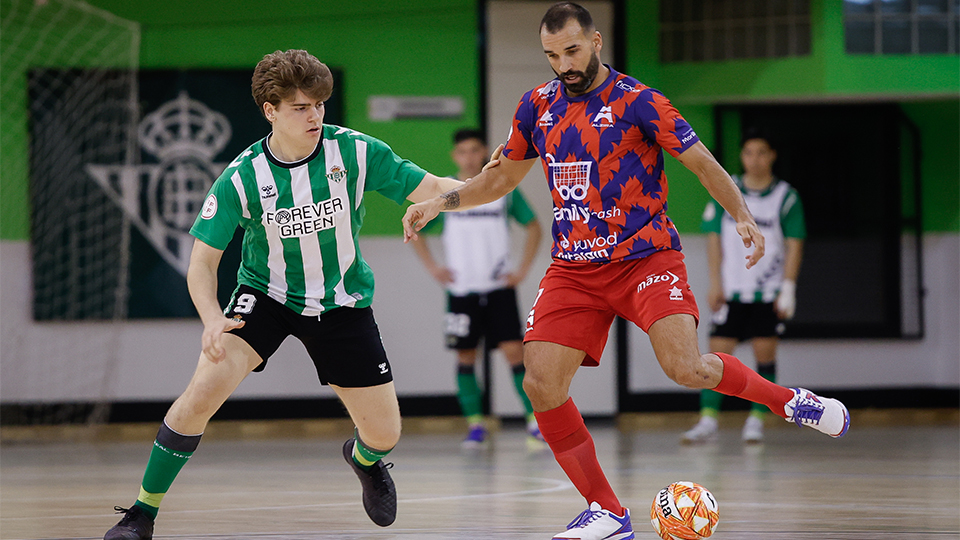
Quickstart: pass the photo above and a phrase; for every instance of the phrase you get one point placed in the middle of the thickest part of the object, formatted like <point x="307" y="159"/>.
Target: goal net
<point x="69" y="93"/>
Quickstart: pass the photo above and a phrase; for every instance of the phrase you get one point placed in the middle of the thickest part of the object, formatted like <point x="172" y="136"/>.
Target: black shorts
<point x="344" y="343"/>
<point x="746" y="321"/>
<point x="492" y="315"/>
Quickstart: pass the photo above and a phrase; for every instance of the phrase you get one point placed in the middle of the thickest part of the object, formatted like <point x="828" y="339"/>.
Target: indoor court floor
<point x="898" y="478"/>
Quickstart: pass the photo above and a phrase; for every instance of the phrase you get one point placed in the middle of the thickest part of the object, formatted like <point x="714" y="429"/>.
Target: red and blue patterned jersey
<point x="603" y="160"/>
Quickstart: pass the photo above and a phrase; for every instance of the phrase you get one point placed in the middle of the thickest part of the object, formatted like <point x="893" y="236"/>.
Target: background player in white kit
<point x="480" y="283"/>
<point x="750" y="304"/>
<point x="298" y="195"/>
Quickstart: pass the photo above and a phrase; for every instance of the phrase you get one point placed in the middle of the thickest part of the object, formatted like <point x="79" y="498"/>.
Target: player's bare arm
<point x="701" y="162"/>
<point x="489" y="185"/>
<point x="202" y="284"/>
<point x="715" y="296"/>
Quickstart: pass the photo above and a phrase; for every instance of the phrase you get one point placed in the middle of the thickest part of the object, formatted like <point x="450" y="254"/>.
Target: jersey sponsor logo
<point x="604" y="118"/>
<point x="676" y="293"/>
<point x="549" y="90"/>
<point x="595" y="242"/>
<point x="626" y="87"/>
<point x="268" y="191"/>
<point x="575" y="212"/>
<point x="336" y="173"/>
<point x="585" y="256"/>
<point x="209" y="207"/>
<point x="305" y="219"/>
<point x="570" y="179"/>
<point x="546" y="120"/>
<point x="660" y="278"/>
<point x="688" y="137"/>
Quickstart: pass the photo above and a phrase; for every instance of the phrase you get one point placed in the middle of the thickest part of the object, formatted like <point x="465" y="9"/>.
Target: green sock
<point x="468" y="391"/>
<point x="365" y="456"/>
<point x="518" y="372"/>
<point x="710" y="402"/>
<point x="768" y="372"/>
<point x="170" y="453"/>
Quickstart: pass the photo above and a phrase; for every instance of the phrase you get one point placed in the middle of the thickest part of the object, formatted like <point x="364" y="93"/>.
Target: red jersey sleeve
<point x="519" y="145"/>
<point x="662" y="121"/>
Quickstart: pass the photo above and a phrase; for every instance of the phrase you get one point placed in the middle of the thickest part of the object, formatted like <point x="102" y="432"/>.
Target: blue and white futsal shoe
<point x="595" y="523"/>
<point x="822" y="414"/>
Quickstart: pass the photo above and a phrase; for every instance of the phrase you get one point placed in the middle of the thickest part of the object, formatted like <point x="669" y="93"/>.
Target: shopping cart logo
<point x="570" y="179"/>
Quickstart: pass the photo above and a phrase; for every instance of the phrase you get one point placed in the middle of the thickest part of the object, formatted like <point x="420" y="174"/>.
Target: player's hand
<point x="443" y="275"/>
<point x="513" y="279"/>
<point x="212" y="339"/>
<point x="786" y="303"/>
<point x="417" y="216"/>
<point x="494" y="159"/>
<point x="751" y="236"/>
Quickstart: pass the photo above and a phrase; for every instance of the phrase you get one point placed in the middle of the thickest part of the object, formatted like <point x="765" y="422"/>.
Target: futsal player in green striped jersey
<point x="298" y="195"/>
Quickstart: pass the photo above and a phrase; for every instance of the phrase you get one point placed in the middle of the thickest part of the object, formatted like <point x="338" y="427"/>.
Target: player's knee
<point x="383" y="437"/>
<point x="535" y="388"/>
<point x="688" y="372"/>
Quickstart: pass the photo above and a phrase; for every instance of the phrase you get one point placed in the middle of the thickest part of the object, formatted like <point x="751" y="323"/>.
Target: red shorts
<point x="577" y="301"/>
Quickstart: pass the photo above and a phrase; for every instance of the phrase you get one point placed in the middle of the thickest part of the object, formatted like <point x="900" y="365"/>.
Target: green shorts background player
<point x="298" y="195"/>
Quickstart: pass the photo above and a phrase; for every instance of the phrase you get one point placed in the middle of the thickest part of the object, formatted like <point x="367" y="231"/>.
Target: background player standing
<point x="600" y="136"/>
<point x="749" y="304"/>
<point x="298" y="194"/>
<point x="481" y="293"/>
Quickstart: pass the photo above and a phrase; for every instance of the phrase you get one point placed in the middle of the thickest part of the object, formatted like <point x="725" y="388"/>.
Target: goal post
<point x="68" y="85"/>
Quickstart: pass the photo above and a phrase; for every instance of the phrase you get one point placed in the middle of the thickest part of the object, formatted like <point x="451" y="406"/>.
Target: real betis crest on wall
<point x="190" y="125"/>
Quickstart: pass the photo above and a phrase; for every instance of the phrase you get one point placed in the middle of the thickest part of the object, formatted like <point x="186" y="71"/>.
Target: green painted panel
<point x="422" y="47"/>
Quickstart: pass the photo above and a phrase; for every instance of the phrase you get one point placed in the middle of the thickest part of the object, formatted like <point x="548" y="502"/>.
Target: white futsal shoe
<point x="595" y="523"/>
<point x="704" y="431"/>
<point x="826" y="415"/>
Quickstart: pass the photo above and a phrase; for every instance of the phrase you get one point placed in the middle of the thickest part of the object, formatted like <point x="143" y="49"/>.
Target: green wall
<point x="926" y="86"/>
<point x="420" y="47"/>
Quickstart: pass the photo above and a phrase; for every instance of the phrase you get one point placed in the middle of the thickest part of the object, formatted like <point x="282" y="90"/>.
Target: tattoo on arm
<point x="451" y="200"/>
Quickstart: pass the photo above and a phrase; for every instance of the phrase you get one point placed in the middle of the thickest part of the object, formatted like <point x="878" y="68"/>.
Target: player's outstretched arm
<point x="701" y="162"/>
<point x="202" y="284"/>
<point x="489" y="185"/>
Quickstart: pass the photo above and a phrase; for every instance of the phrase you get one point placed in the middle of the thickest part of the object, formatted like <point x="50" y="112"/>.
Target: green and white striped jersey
<point x="779" y="214"/>
<point x="301" y="220"/>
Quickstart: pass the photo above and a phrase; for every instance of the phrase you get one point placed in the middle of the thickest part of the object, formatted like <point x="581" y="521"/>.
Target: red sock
<point x="572" y="445"/>
<point x="741" y="381"/>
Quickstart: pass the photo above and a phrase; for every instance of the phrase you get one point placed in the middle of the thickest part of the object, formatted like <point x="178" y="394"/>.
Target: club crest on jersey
<point x="604" y="118"/>
<point x="546" y="120"/>
<point x="337" y="173"/>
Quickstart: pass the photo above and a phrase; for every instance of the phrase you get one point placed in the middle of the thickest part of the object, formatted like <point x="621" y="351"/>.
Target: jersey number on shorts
<point x="457" y="324"/>
<point x="245" y="303"/>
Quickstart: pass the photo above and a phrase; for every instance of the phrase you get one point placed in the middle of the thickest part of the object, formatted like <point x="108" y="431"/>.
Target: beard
<point x="586" y="77"/>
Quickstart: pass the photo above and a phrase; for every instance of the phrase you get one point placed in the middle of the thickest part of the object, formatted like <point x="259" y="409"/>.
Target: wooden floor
<point x="892" y="479"/>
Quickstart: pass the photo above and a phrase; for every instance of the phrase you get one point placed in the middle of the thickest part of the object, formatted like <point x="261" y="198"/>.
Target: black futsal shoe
<point x="379" y="492"/>
<point x="135" y="525"/>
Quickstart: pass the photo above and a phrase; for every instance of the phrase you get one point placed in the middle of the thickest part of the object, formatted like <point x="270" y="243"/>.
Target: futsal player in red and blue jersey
<point x="600" y="136"/>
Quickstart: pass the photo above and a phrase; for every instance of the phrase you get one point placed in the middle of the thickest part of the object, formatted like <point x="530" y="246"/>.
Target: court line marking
<point x="558" y="485"/>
